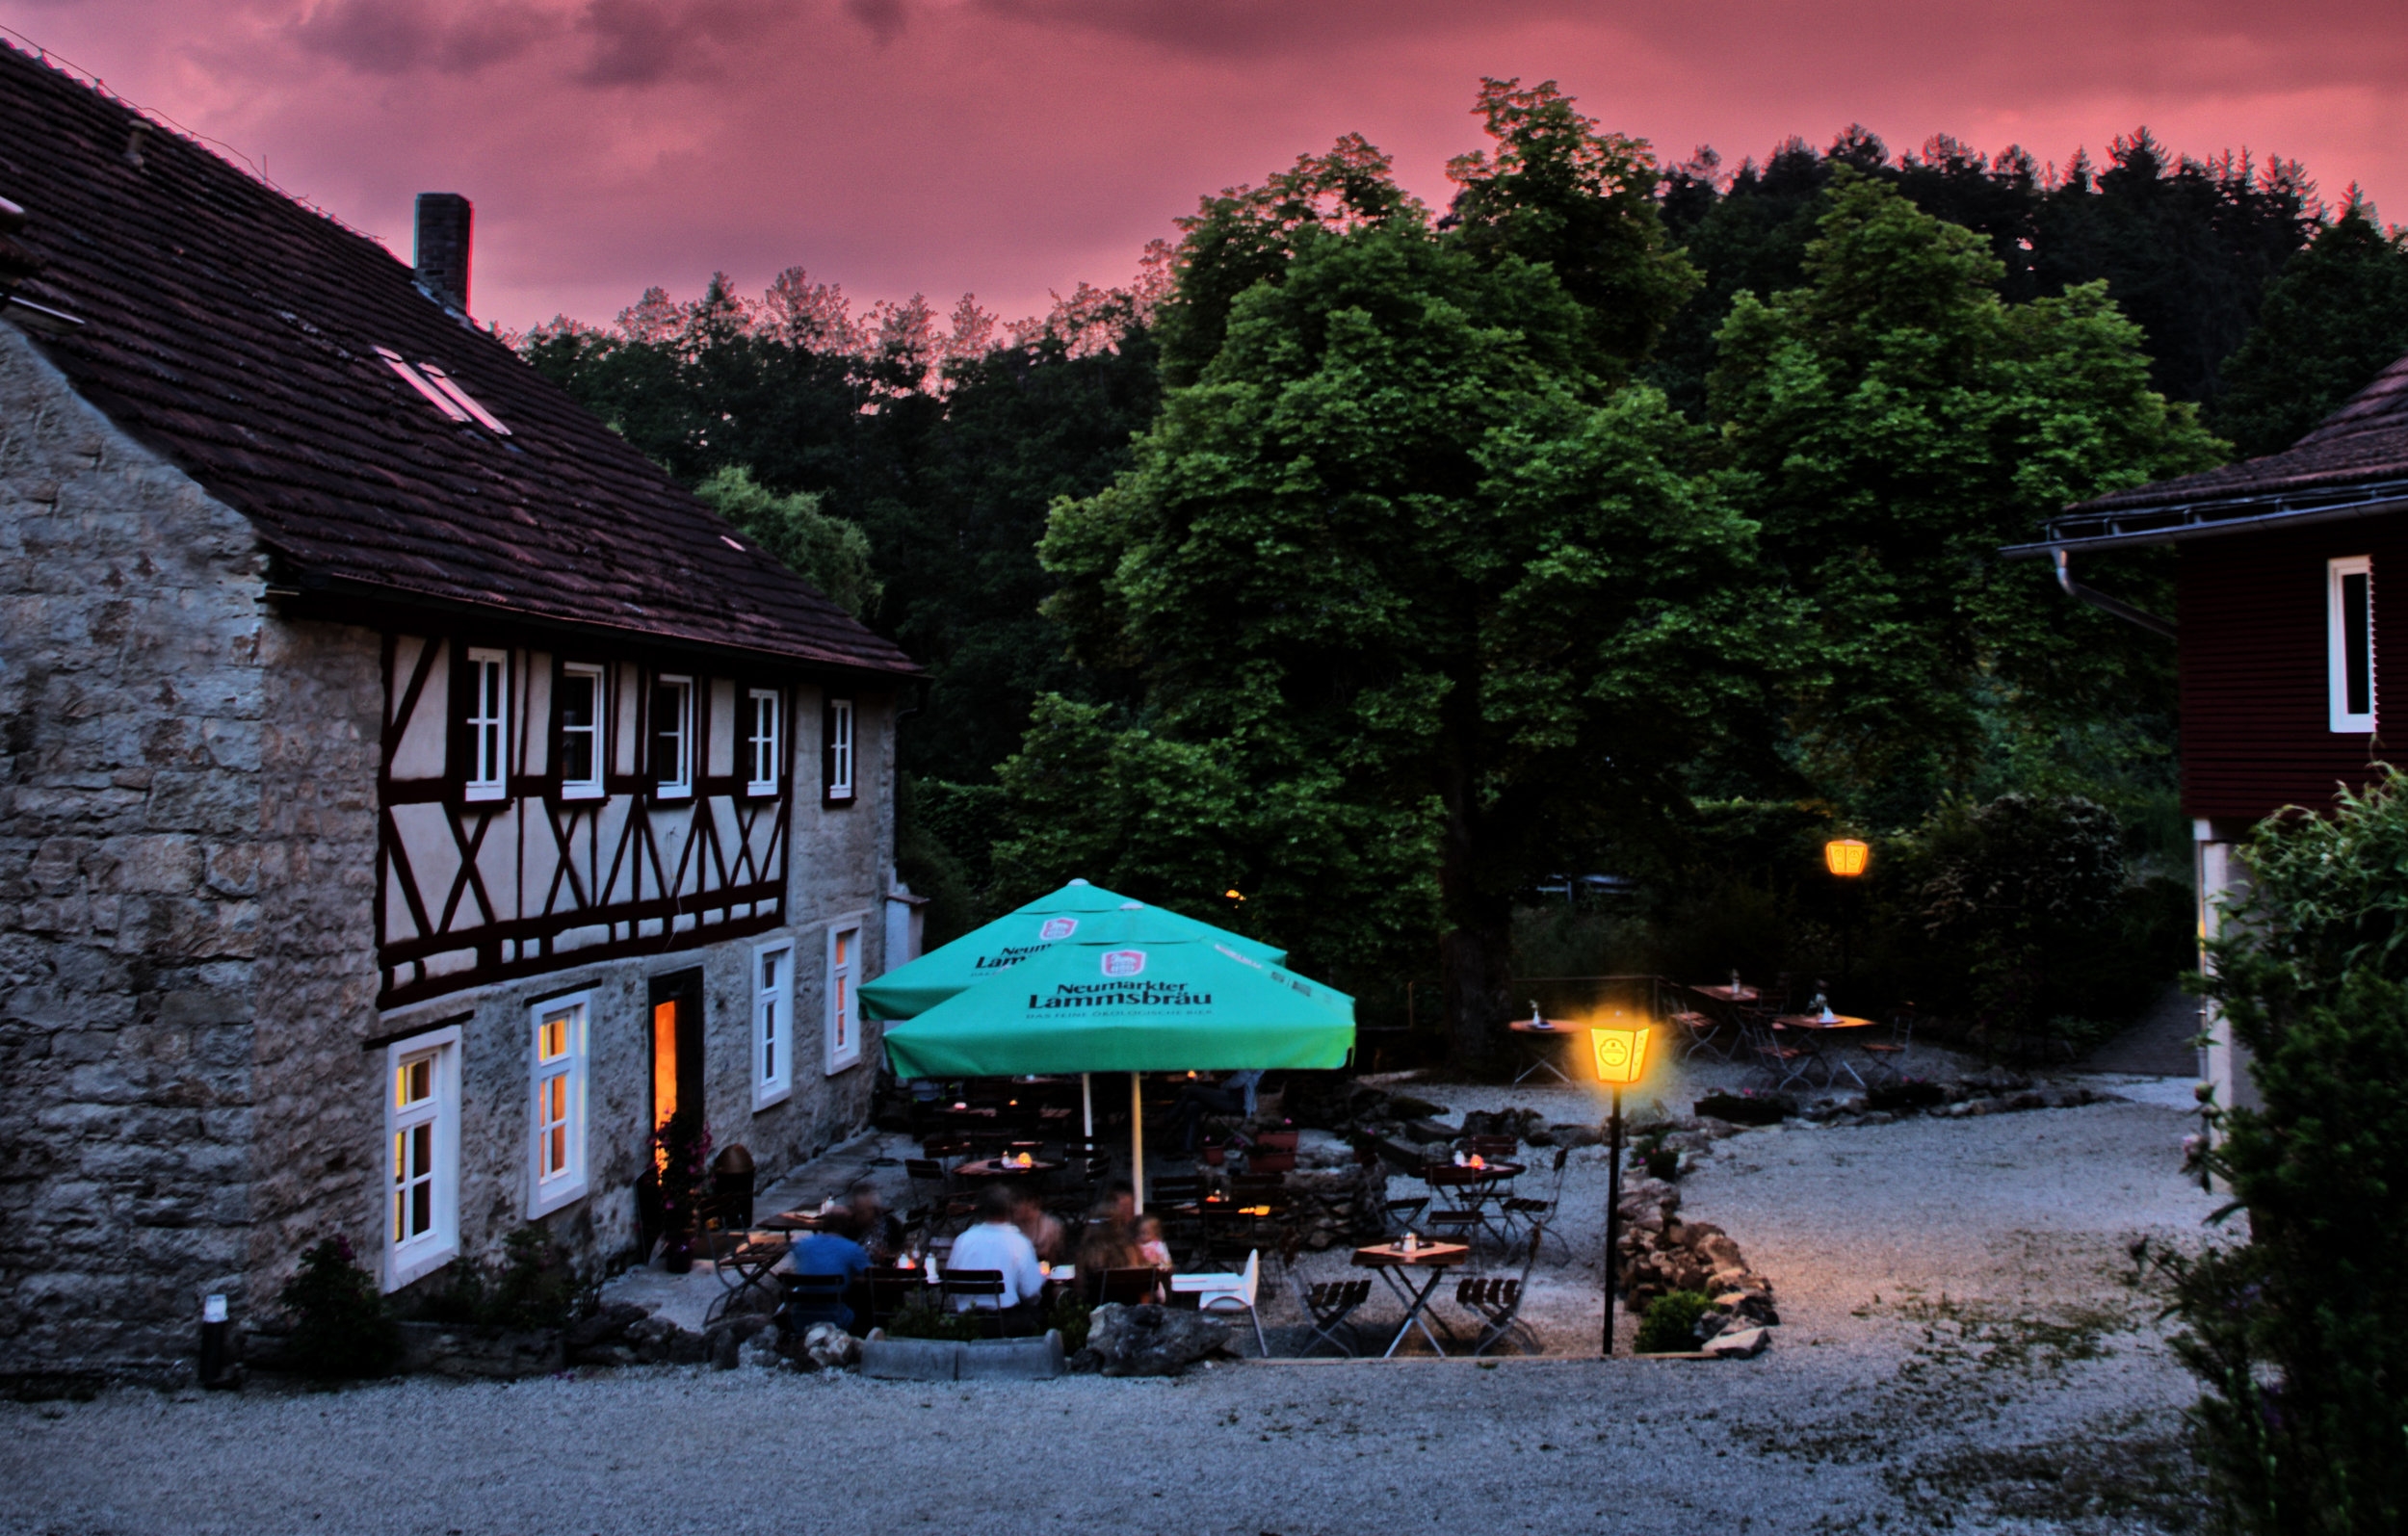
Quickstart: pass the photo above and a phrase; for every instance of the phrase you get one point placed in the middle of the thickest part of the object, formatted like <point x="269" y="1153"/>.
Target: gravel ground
<point x="1961" y="1348"/>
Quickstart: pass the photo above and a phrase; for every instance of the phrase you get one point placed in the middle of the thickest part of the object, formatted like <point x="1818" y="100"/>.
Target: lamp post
<point x="1621" y="1054"/>
<point x="1845" y="858"/>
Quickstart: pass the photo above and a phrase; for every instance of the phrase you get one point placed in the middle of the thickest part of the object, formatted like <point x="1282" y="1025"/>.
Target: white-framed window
<point x="839" y="753"/>
<point x="773" y="1022"/>
<point x="556" y="1154"/>
<point x="582" y="740"/>
<point x="763" y="724"/>
<point x="489" y="724"/>
<point x="2350" y="640"/>
<point x="672" y="735"/>
<point x="422" y="1128"/>
<point x="844" y="1025"/>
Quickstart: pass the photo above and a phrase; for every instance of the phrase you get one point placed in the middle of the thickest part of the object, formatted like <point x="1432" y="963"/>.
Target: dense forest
<point x="1384" y="564"/>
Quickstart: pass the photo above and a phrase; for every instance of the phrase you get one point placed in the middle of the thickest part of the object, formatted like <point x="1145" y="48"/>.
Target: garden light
<point x="1621" y="1051"/>
<point x="1847" y="856"/>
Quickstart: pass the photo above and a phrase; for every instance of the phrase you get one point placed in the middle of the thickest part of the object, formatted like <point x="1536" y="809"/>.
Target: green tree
<point x="2336" y="316"/>
<point x="1900" y="422"/>
<point x="2293" y="1331"/>
<point x="1421" y="605"/>
<point x="830" y="552"/>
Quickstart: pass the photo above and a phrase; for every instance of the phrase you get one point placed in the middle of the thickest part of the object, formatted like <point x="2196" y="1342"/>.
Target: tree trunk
<point x="1476" y="956"/>
<point x="1476" y="952"/>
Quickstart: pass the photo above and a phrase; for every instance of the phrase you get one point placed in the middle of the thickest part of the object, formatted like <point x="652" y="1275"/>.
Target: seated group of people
<point x="1013" y="1237"/>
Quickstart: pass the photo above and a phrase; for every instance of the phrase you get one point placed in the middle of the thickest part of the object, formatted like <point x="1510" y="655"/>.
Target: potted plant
<point x="681" y="1155"/>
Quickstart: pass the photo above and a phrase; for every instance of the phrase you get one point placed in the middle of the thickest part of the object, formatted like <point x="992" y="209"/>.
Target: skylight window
<point x="440" y="392"/>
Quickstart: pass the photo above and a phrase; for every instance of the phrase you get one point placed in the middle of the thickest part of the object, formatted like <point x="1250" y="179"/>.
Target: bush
<point x="1747" y="1109"/>
<point x="342" y="1329"/>
<point x="2295" y="1333"/>
<point x="1074" y="1317"/>
<point x="925" y="1319"/>
<point x="1669" y="1325"/>
<point x="1904" y="1095"/>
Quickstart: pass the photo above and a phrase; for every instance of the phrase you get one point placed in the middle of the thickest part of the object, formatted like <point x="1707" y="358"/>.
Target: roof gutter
<point x="2184" y="521"/>
<point x="2106" y="604"/>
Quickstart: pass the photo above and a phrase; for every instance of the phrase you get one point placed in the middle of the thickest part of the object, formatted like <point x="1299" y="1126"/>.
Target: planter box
<point x="947" y="1359"/>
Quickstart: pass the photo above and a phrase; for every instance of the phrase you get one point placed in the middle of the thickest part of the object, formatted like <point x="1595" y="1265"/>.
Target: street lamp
<point x="1846" y="857"/>
<point x="1620" y="1050"/>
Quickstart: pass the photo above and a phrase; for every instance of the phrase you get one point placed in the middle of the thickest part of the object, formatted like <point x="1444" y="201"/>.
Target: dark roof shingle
<point x="236" y="332"/>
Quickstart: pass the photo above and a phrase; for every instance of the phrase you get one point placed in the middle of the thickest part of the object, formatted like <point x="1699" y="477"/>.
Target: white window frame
<point x="682" y="787"/>
<point x="841" y="1029"/>
<point x="2337" y="644"/>
<point x="549" y="1187"/>
<point x="840" y="749"/>
<point x="586" y="789"/>
<point x="489" y="777"/>
<point x="764" y="750"/>
<point x="772" y="1023"/>
<point x="421" y="1254"/>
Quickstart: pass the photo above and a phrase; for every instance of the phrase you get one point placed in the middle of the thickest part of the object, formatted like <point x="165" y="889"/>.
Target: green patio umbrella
<point x="1124" y="996"/>
<point x="911" y="990"/>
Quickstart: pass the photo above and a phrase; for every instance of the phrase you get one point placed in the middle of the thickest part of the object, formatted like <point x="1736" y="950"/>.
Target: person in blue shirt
<point x="1234" y="1096"/>
<point x="830" y="1249"/>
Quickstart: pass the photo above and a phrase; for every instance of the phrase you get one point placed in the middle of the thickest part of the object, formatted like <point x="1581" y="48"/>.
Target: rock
<point x="757" y="1353"/>
<point x="658" y="1341"/>
<point x="1709" y="1325"/>
<point x="1149" y="1340"/>
<point x="909" y="1359"/>
<point x="1720" y="1252"/>
<point x="608" y="1326"/>
<point x="1878" y="1117"/>
<point x="1011" y="1358"/>
<point x="1404" y="1107"/>
<point x="1429" y="1132"/>
<point x="2026" y="1100"/>
<point x="480" y="1353"/>
<point x="1572" y="1136"/>
<point x="1745" y="1344"/>
<point x="829" y="1347"/>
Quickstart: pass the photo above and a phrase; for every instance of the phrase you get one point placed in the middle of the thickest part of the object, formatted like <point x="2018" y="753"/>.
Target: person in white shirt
<point x="996" y="1243"/>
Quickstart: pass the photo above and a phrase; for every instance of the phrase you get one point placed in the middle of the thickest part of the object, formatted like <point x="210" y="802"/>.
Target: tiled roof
<point x="237" y="332"/>
<point x="2358" y="454"/>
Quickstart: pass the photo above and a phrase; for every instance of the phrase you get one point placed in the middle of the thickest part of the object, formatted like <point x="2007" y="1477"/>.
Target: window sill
<point x="761" y="791"/>
<point x="672" y="795"/>
<point x="486" y="793"/>
<point x="402" y="1269"/>
<point x="547" y="1201"/>
<point x="763" y="1102"/>
<point x="837" y="1069"/>
<point x="584" y="792"/>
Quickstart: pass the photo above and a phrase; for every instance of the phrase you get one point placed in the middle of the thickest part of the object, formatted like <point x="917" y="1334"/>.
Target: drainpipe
<point x="2103" y="603"/>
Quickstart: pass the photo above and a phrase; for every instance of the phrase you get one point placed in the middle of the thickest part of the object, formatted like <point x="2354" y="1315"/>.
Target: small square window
<point x="580" y="709"/>
<point x="764" y="759"/>
<point x="487" y="722"/>
<point x="2349" y="636"/>
<point x="673" y="737"/>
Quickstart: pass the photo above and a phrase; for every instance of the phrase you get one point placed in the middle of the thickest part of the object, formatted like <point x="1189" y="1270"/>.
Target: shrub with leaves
<point x="2295" y="1332"/>
<point x="1669" y="1325"/>
<point x="341" y="1326"/>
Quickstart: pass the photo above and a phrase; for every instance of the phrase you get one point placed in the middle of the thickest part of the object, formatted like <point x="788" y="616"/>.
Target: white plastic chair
<point x="1229" y="1294"/>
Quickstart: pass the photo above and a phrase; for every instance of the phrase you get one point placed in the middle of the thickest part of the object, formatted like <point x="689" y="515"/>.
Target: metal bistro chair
<point x="1704" y="1034"/>
<point x="1132" y="1286"/>
<point x="1777" y="1056"/>
<point x="1397" y="1216"/>
<point x="891" y="1291"/>
<point x="977" y="1294"/>
<point x="741" y="1260"/>
<point x="806" y="1299"/>
<point x="1329" y="1305"/>
<point x="1539" y="1213"/>
<point x="1886" y="1059"/>
<point x="1498" y="1298"/>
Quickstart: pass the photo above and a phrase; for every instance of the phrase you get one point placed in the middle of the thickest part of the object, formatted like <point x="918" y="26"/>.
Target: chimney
<point x="441" y="256"/>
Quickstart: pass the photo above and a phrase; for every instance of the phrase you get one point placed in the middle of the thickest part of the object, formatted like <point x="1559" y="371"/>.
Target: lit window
<point x="838" y="756"/>
<point x="488" y="725"/>
<point x="556" y="1157"/>
<point x="2349" y="638"/>
<point x="761" y="734"/>
<point x="672" y="735"/>
<point x="581" y="731"/>
<point x="843" y="961"/>
<point x="422" y="1123"/>
<point x="773" y="1022"/>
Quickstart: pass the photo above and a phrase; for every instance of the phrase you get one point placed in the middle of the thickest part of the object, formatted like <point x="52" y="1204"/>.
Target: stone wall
<point x="131" y="688"/>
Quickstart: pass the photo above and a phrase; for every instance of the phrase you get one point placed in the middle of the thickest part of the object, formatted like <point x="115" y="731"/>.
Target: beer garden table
<point x="1437" y="1258"/>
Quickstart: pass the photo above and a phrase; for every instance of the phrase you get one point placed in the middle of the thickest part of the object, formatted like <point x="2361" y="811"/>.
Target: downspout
<point x="2103" y="603"/>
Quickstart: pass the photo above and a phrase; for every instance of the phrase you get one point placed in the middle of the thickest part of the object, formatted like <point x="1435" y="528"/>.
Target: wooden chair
<point x="806" y="1299"/>
<point x="1704" y="1034"/>
<point x="741" y="1259"/>
<point x="1887" y="1058"/>
<point x="1539" y="1213"/>
<point x="1132" y="1286"/>
<point x="1397" y="1216"/>
<point x="891" y="1291"/>
<point x="1329" y="1305"/>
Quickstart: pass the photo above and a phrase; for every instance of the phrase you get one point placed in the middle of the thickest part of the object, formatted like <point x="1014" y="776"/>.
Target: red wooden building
<point x="2290" y="570"/>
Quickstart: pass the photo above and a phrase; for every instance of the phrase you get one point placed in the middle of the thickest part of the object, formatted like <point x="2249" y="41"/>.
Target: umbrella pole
<point x="1136" y="1137"/>
<point x="1087" y="1101"/>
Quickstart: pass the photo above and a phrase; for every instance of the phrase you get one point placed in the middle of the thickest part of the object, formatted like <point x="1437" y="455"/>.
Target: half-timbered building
<point x="2285" y="568"/>
<point x="411" y="793"/>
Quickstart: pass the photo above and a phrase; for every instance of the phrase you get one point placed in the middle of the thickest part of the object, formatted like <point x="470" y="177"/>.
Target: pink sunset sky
<point x="1010" y="147"/>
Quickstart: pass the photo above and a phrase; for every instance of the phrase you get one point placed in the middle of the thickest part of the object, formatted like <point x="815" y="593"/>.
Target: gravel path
<point x="1960" y="1348"/>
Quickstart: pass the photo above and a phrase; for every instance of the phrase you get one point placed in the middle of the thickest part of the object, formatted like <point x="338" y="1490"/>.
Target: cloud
<point x="400" y="37"/>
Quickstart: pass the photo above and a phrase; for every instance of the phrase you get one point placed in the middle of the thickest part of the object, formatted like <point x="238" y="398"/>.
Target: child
<point x="1150" y="1245"/>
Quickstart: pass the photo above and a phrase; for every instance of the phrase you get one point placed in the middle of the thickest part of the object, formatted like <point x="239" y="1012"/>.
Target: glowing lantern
<point x="1845" y="856"/>
<point x="1621" y="1051"/>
